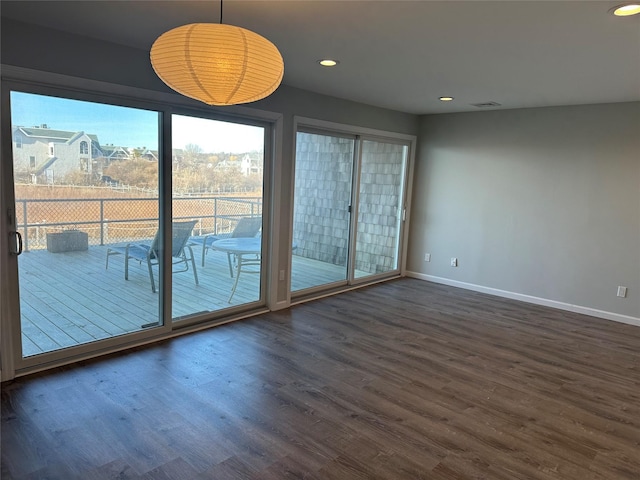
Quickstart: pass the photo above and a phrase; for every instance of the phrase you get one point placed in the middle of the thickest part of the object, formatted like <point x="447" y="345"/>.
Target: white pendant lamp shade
<point x="217" y="64"/>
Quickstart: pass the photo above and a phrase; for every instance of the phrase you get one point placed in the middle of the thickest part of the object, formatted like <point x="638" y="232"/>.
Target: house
<point x="247" y="164"/>
<point x="115" y="152"/>
<point x="43" y="154"/>
<point x="228" y="164"/>
<point x="526" y="187"/>
<point x="251" y="164"/>
<point x="151" y="155"/>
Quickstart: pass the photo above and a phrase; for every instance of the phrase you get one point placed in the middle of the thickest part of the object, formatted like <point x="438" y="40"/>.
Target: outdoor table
<point x="247" y="252"/>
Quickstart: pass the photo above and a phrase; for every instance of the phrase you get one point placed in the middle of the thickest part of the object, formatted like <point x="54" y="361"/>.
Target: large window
<point x="322" y="209"/>
<point x="380" y="207"/>
<point x="73" y="224"/>
<point x="349" y="202"/>
<point x="217" y="178"/>
<point x="122" y="238"/>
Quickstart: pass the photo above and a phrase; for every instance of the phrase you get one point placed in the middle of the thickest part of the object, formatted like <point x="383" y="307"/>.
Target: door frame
<point x="312" y="125"/>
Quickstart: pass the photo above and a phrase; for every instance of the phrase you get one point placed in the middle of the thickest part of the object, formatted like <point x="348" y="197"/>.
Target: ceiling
<point x="401" y="55"/>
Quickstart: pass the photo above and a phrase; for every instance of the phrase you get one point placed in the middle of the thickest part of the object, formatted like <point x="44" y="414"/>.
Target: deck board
<point x="72" y="298"/>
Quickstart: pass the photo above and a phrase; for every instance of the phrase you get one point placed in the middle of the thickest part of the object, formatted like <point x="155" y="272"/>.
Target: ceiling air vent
<point x="486" y="104"/>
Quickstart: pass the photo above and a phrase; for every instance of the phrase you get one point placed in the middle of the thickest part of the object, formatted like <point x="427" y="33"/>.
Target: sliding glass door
<point x="321" y="210"/>
<point x="86" y="185"/>
<point x="380" y="207"/>
<point x="128" y="222"/>
<point x="349" y="199"/>
<point x="217" y="173"/>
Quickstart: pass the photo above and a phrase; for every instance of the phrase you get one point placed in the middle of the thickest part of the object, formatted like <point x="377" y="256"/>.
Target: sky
<point x="131" y="127"/>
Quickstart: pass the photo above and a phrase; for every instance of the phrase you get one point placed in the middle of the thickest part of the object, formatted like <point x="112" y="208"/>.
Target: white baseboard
<point x="616" y="317"/>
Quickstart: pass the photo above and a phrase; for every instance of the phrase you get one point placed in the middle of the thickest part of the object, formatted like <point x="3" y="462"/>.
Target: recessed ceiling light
<point x="626" y="9"/>
<point x="327" y="62"/>
<point x="446" y="99"/>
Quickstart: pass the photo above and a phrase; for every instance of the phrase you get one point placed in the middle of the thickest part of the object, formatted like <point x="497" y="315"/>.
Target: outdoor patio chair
<point x="181" y="252"/>
<point x="246" y="227"/>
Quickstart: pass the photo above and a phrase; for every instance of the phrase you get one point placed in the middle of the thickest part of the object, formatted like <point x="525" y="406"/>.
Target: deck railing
<point x="109" y="220"/>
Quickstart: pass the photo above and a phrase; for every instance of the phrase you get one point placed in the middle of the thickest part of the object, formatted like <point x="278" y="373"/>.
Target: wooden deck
<point x="68" y="299"/>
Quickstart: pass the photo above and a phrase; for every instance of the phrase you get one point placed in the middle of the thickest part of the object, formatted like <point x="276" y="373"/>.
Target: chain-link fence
<point x="114" y="220"/>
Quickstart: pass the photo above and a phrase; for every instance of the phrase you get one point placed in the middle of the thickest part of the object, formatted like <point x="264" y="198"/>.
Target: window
<point x="349" y="197"/>
<point x="80" y="222"/>
<point x="18" y="140"/>
<point x="208" y="160"/>
<point x="94" y="231"/>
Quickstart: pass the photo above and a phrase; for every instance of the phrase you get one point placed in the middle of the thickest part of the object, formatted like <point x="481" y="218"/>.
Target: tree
<point x="138" y="172"/>
<point x="78" y="177"/>
<point x="192" y="153"/>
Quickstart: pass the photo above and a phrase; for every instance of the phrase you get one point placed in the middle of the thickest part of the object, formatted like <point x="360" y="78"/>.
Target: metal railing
<point x="110" y="220"/>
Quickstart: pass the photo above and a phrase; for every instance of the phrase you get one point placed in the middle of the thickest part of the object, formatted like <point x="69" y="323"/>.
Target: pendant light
<point x="217" y="64"/>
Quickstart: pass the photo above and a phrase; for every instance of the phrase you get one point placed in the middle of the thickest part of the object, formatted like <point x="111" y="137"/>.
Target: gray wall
<point x="542" y="202"/>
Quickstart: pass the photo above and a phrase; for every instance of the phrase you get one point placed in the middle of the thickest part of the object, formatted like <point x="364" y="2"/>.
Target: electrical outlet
<point x="427" y="257"/>
<point x="622" y="292"/>
<point x="454" y="262"/>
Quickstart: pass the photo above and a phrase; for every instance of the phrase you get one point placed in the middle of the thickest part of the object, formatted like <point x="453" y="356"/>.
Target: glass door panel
<point x="86" y="194"/>
<point x="380" y="206"/>
<point x="217" y="177"/>
<point x="322" y="196"/>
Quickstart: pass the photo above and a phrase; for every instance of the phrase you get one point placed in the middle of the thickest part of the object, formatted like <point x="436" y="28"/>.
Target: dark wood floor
<point x="403" y="380"/>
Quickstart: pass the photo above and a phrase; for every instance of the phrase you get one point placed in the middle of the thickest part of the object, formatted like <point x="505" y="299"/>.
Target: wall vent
<point x="486" y="104"/>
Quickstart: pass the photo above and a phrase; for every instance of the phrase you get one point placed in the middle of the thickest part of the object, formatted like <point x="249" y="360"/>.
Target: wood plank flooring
<point x="68" y="299"/>
<point x="401" y="380"/>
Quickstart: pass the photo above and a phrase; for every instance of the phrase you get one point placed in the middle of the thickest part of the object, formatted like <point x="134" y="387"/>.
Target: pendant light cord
<point x="220" y="12"/>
